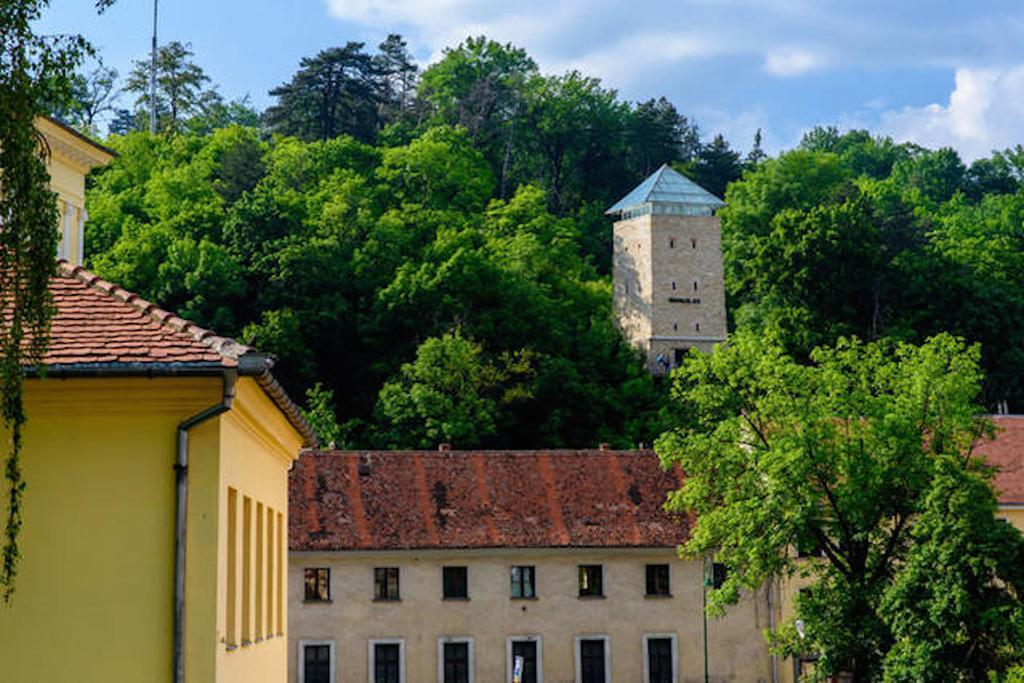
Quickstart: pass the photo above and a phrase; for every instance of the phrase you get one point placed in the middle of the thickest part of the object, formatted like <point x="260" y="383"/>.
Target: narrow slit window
<point x="246" y="570"/>
<point x="693" y="242"/>
<point x="232" y="561"/>
<point x="269" y="625"/>
<point x="259" y="570"/>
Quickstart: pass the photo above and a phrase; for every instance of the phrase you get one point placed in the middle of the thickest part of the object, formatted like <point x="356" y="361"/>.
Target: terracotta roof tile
<point x="481" y="499"/>
<point x="99" y="322"/>
<point x="1006" y="454"/>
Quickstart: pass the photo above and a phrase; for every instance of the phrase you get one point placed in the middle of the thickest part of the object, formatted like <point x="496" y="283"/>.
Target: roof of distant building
<point x="670" y="191"/>
<point x="102" y="329"/>
<point x="401" y="500"/>
<point x="1006" y="454"/>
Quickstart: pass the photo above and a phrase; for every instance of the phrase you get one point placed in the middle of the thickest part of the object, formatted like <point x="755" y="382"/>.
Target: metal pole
<point x="152" y="77"/>
<point x="704" y="614"/>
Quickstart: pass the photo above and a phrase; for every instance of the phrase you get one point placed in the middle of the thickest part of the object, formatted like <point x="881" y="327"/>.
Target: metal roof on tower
<point x="666" y="191"/>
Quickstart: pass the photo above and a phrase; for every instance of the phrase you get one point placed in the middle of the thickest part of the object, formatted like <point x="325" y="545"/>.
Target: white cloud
<point x="792" y="61"/>
<point x="627" y="57"/>
<point x="985" y="112"/>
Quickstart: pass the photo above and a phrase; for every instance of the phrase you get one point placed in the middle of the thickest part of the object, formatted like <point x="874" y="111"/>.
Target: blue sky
<point x="936" y="73"/>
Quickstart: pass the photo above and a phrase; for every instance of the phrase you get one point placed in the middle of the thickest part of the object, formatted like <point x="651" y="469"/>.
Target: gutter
<point x="181" y="516"/>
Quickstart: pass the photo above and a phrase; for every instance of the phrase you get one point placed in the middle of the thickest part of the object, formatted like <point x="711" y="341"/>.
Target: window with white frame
<point x="529" y="649"/>
<point x="386" y="660"/>
<point x="317" y="661"/>
<point x="455" y="660"/>
<point x="593" y="659"/>
<point x="661" y="658"/>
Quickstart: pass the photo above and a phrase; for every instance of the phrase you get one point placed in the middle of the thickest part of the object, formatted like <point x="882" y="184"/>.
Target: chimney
<point x="364" y="464"/>
<point x="444" y="447"/>
<point x="604" y="446"/>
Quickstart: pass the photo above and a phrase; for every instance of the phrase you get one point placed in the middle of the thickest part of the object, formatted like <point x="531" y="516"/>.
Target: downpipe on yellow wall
<point x="181" y="516"/>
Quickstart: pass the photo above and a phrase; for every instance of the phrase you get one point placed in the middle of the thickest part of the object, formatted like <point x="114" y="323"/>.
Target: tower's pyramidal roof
<point x="667" y="186"/>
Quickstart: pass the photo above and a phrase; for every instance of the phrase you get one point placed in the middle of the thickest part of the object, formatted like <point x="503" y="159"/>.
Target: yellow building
<point x="415" y="567"/>
<point x="156" y="459"/>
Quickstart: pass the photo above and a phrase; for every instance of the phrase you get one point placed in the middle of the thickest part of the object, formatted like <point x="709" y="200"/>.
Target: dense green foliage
<point x="36" y="72"/>
<point x="389" y="274"/>
<point x="853" y="235"/>
<point x="863" y="452"/>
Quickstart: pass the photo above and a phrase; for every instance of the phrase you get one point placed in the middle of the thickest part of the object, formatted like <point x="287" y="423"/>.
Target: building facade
<point x="447" y="566"/>
<point x="668" y="283"/>
<point x="156" y="458"/>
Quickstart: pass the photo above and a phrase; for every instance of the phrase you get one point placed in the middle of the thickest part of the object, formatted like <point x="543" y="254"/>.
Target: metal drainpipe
<point x="771" y="627"/>
<point x="181" y="517"/>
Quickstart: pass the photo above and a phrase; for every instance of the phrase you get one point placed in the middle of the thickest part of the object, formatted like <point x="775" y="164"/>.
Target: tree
<point x="954" y="608"/>
<point x="451" y="393"/>
<point x="756" y="154"/>
<point x="839" y="454"/>
<point x="336" y="92"/>
<point x="658" y="135"/>
<point x="180" y="86"/>
<point x="397" y="73"/>
<point x="92" y="94"/>
<point x="33" y="70"/>
<point x="715" y="167"/>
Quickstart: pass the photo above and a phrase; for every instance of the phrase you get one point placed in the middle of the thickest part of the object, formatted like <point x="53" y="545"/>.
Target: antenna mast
<point x="152" y="77"/>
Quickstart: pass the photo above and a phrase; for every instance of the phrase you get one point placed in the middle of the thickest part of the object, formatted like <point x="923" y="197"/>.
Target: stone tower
<point x="669" y="290"/>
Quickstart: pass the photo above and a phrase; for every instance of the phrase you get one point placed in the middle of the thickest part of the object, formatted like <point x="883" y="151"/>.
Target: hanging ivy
<point x="33" y="69"/>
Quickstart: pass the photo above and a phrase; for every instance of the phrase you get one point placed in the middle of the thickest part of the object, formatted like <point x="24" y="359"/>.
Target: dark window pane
<point x="523" y="582"/>
<point x="719" y="573"/>
<point x="386" y="663"/>
<point x="385" y="583"/>
<point x="592" y="661"/>
<point x="455" y="582"/>
<point x="317" y="664"/>
<point x="318" y="584"/>
<point x="659" y="660"/>
<point x="527" y="649"/>
<point x="657" y="579"/>
<point x="456" y="663"/>
<point x="591" y="580"/>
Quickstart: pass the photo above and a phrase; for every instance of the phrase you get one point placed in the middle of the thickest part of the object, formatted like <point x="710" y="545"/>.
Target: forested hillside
<point x="431" y="248"/>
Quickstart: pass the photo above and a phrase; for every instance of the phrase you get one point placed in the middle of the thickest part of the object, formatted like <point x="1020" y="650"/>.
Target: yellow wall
<point x="258" y="447"/>
<point x="737" y="650"/>
<point x="95" y="586"/>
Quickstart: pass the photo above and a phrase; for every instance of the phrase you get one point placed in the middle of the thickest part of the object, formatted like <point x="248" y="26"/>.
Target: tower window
<point x="673" y="285"/>
<point x="696" y="327"/>
<point x="695" y="285"/>
<point x="675" y="327"/>
<point x="693" y="242"/>
<point x="671" y="242"/>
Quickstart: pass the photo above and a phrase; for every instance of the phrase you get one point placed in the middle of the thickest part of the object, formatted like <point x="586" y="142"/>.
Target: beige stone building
<point x="668" y="285"/>
<point x="445" y="566"/>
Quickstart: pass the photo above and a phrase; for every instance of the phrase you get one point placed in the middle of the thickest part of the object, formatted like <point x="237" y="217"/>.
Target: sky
<point x="939" y="73"/>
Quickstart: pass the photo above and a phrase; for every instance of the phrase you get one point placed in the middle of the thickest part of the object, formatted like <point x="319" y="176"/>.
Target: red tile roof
<point x="390" y="500"/>
<point x="100" y="323"/>
<point x="1006" y="453"/>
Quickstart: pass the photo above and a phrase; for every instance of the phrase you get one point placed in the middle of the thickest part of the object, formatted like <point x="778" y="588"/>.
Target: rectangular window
<point x="527" y="650"/>
<point x="318" y="584"/>
<point x="659" y="661"/>
<point x="269" y="531"/>
<point x="524" y="583"/>
<point x="456" y="583"/>
<point x="259" y="571"/>
<point x="385" y="583"/>
<point x="680" y="355"/>
<point x="387" y="663"/>
<point x="246" y="570"/>
<point x="719" y="573"/>
<point x="232" y="582"/>
<point x="281" y="551"/>
<point x="455" y="663"/>
<point x="658" y="580"/>
<point x="316" y="664"/>
<point x="591" y="580"/>
<point x="592" y="661"/>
